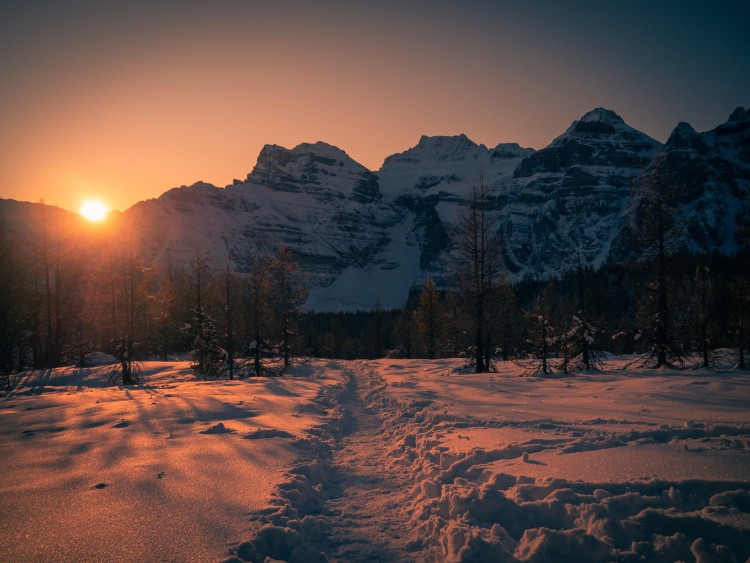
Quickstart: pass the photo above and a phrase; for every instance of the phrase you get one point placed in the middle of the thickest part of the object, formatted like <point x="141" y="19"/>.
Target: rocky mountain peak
<point x="318" y="168"/>
<point x="602" y="115"/>
<point x="438" y="148"/>
<point x="599" y="138"/>
<point x="740" y="114"/>
<point x="507" y="151"/>
<point x="685" y="137"/>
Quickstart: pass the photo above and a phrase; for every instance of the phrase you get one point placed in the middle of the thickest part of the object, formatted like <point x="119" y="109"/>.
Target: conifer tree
<point x="207" y="353"/>
<point x="287" y="297"/>
<point x="258" y="314"/>
<point x="429" y="318"/>
<point x="655" y="214"/>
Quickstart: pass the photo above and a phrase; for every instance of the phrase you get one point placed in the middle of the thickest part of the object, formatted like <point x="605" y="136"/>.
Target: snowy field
<point x="387" y="460"/>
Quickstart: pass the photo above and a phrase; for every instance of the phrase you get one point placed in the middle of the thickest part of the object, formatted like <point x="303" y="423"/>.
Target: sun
<point x="94" y="210"/>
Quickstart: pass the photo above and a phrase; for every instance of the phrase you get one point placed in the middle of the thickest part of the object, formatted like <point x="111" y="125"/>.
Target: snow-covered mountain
<point x="315" y="200"/>
<point x="572" y="195"/>
<point x="707" y="176"/>
<point x="365" y="237"/>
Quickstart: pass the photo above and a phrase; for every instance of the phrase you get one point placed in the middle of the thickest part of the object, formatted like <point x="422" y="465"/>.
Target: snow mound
<point x="98" y="359"/>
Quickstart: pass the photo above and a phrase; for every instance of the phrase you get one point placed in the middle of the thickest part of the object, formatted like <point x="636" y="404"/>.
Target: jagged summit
<point x="318" y="168"/>
<point x="602" y="114"/>
<point x="740" y="114"/>
<point x="438" y="148"/>
<point x="599" y="138"/>
<point x="685" y="137"/>
<point x="505" y="151"/>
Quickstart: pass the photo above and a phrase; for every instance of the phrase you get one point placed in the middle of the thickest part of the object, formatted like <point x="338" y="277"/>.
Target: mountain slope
<point x="314" y="199"/>
<point x="364" y="238"/>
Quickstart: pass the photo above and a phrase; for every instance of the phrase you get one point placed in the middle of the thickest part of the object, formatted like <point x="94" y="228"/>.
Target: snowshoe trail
<point x="365" y="498"/>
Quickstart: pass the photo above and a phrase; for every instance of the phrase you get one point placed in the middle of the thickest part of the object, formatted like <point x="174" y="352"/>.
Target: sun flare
<point x="94" y="210"/>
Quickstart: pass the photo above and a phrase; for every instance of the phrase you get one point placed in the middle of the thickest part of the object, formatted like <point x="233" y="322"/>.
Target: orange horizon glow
<point x="128" y="100"/>
<point x="94" y="210"/>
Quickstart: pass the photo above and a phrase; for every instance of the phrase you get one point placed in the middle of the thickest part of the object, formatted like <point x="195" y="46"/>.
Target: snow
<point x="397" y="460"/>
<point x="387" y="284"/>
<point x="166" y="470"/>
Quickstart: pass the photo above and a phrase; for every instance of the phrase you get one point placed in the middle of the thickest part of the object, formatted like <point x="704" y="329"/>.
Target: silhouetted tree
<point x="287" y="297"/>
<point x="656" y="231"/>
<point x="258" y="310"/>
<point x="429" y="319"/>
<point x="231" y="303"/>
<point x="207" y="353"/>
<point x="11" y="311"/>
<point x="477" y="267"/>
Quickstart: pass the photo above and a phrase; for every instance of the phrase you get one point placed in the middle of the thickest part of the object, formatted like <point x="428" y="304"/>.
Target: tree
<point x="477" y="267"/>
<point x="11" y="295"/>
<point x="582" y="336"/>
<point x="429" y="318"/>
<point x="541" y="339"/>
<point x="231" y="292"/>
<point x="699" y="303"/>
<point x="208" y="355"/>
<point x="287" y="297"/>
<point x="258" y="304"/>
<point x="657" y="235"/>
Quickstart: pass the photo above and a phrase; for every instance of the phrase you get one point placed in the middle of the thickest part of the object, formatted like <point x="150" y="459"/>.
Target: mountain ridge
<point x="366" y="236"/>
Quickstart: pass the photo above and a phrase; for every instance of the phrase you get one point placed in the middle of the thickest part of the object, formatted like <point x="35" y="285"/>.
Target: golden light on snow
<point x="94" y="210"/>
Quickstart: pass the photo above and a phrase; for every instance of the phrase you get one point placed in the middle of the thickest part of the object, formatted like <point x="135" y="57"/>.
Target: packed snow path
<point x="365" y="497"/>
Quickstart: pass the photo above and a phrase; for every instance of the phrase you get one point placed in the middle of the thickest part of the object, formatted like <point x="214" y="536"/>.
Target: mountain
<point x="572" y="196"/>
<point x="708" y="177"/>
<point x="314" y="199"/>
<point x="365" y="237"/>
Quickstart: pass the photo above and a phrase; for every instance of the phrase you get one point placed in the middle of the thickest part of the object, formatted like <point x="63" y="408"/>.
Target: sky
<point x="122" y="101"/>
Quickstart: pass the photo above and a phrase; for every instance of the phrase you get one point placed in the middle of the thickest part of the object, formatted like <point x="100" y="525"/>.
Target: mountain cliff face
<point x="572" y="195"/>
<point x="366" y="237"/>
<point x="314" y="199"/>
<point x="704" y="180"/>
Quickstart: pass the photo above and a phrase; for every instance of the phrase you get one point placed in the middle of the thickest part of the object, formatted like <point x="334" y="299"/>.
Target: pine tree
<point x="11" y="296"/>
<point x="657" y="235"/>
<point x="258" y="314"/>
<point x="231" y="293"/>
<point x="582" y="336"/>
<point x="542" y="337"/>
<point x="207" y="353"/>
<point x="287" y="297"/>
<point x="429" y="318"/>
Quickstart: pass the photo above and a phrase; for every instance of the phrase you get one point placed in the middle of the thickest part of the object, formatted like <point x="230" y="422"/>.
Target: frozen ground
<point x="389" y="460"/>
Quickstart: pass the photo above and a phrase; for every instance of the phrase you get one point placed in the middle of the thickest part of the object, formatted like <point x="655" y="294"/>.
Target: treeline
<point x="64" y="295"/>
<point x="709" y="311"/>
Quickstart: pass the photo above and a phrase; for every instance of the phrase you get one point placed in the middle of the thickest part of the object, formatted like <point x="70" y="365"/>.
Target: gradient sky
<point x="124" y="100"/>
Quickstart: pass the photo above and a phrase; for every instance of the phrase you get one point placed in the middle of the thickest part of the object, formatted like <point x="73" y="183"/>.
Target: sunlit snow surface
<point x="623" y="465"/>
<point x="167" y="470"/>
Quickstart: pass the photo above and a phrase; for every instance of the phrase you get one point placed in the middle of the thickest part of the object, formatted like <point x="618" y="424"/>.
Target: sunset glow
<point x="94" y="210"/>
<point x="122" y="96"/>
